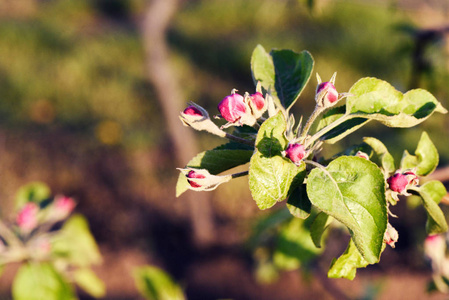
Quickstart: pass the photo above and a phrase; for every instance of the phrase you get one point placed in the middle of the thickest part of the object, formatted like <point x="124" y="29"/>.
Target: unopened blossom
<point x="399" y="182"/>
<point x="435" y="250"/>
<point x="391" y="236"/>
<point x="191" y="175"/>
<point x="258" y="100"/>
<point x="193" y="111"/>
<point x="295" y="152"/>
<point x="196" y="117"/>
<point x="27" y="217"/>
<point x="362" y="155"/>
<point x="232" y="108"/>
<point x="202" y="180"/>
<point x="327" y="93"/>
<point x="63" y="206"/>
<point x="257" y="104"/>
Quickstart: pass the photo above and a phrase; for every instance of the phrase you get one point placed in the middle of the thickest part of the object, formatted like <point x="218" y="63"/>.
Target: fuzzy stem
<point x="329" y="127"/>
<point x="240" y="174"/>
<point x="239" y="139"/>
<point x="318" y="110"/>
<point x="8" y="235"/>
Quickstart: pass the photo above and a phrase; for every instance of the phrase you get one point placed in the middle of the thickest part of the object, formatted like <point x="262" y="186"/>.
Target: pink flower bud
<point x="258" y="100"/>
<point x="391" y="235"/>
<point x="328" y="91"/>
<point x="192" y="111"/>
<point x="193" y="174"/>
<point x="27" y="217"/>
<point x="399" y="182"/>
<point x="295" y="152"/>
<point x="435" y="250"/>
<point x="232" y="107"/>
<point x="362" y="155"/>
<point x="63" y="206"/>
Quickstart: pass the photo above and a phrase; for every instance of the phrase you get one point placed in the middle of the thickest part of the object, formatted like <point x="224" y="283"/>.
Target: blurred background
<point x="91" y="90"/>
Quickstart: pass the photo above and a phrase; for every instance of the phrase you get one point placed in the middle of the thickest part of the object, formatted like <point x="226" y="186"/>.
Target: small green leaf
<point x="89" y="282"/>
<point x="425" y="159"/>
<point x="298" y="203"/>
<point x="318" y="227"/>
<point x="292" y="72"/>
<point x="155" y="284"/>
<point x="215" y="161"/>
<point x="347" y="264"/>
<point x="262" y="68"/>
<point x="272" y="178"/>
<point x="36" y="192"/>
<point x="431" y="193"/>
<point x="294" y="246"/>
<point x="376" y="99"/>
<point x="38" y="281"/>
<point x="352" y="190"/>
<point x="385" y="158"/>
<point x="75" y="243"/>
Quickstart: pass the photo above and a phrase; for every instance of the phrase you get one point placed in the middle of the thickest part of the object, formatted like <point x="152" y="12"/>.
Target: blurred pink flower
<point x="27" y="217"/>
<point x="63" y="206"/>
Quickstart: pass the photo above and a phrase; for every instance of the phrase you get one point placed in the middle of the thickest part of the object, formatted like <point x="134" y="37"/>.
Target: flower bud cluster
<point x="30" y="216"/>
<point x="400" y="182"/>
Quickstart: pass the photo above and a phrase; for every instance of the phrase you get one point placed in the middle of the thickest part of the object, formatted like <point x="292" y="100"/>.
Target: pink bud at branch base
<point x="295" y="152"/>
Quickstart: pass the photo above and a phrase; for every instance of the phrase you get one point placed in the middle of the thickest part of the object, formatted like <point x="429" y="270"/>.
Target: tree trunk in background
<point x="161" y="74"/>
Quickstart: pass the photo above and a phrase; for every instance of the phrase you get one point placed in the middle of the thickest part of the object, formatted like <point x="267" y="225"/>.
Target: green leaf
<point x="76" y="244"/>
<point x="352" y="190"/>
<point x="298" y="203"/>
<point x="215" y="161"/>
<point x="272" y="177"/>
<point x="385" y="158"/>
<point x="347" y="264"/>
<point x="89" y="282"/>
<point x="294" y="246"/>
<point x="282" y="72"/>
<point x="39" y="281"/>
<point x="425" y="159"/>
<point x="376" y="99"/>
<point x="318" y="227"/>
<point x="155" y="284"/>
<point x="36" y="192"/>
<point x="431" y="193"/>
<point x="293" y="71"/>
